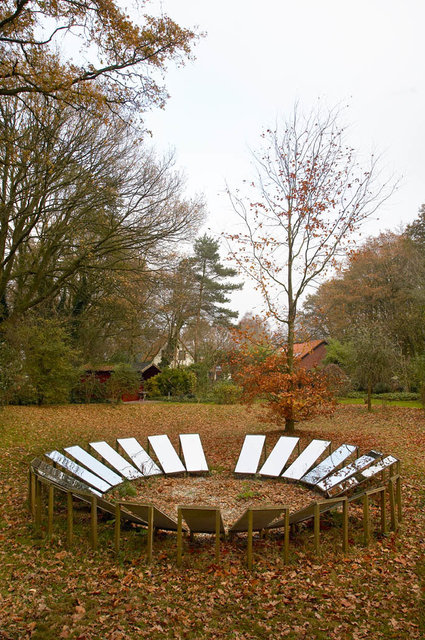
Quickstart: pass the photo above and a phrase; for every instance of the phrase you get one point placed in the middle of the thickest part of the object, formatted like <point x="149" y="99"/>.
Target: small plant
<point x="247" y="492"/>
<point x="127" y="490"/>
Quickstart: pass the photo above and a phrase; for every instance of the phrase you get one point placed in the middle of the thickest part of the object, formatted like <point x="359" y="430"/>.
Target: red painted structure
<point x="311" y="353"/>
<point x="146" y="370"/>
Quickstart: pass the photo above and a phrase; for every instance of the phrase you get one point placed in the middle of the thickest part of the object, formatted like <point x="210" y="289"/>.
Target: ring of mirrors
<point x="340" y="477"/>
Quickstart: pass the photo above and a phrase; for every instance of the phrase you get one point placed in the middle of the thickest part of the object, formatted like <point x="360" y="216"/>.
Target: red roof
<point x="302" y="349"/>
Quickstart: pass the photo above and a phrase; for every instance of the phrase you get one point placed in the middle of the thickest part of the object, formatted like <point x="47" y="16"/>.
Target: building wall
<point x="314" y="358"/>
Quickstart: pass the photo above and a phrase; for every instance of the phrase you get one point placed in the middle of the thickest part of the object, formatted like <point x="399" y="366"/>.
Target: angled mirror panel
<point x="80" y="472"/>
<point x="201" y="519"/>
<point x="329" y="464"/>
<point x="343" y="487"/>
<point x="166" y="454"/>
<point x="193" y="452"/>
<point x="344" y="473"/>
<point x="62" y="480"/>
<point x="278" y="456"/>
<point x="306" y="459"/>
<point x="115" y="460"/>
<point x="261" y="518"/>
<point x="379" y="466"/>
<point x="249" y="457"/>
<point x="94" y="465"/>
<point x="160" y="519"/>
<point x="139" y="457"/>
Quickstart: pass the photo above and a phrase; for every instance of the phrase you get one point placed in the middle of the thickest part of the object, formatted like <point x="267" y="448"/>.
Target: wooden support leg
<point x="69" y="520"/>
<point x="249" y="545"/>
<point x="286" y="538"/>
<point x="93" y="523"/>
<point x="33" y="491"/>
<point x="150" y="534"/>
<point x="366" y="520"/>
<point x="392" y="506"/>
<point x="179" y="538"/>
<point x="217" y="536"/>
<point x="398" y="495"/>
<point x="50" y="505"/>
<point x="383" y="513"/>
<point x="345" y="526"/>
<point x="316" y="528"/>
<point x="38" y="488"/>
<point x="117" y="530"/>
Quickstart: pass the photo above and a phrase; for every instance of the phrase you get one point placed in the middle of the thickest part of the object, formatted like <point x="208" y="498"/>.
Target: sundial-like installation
<point x="339" y="476"/>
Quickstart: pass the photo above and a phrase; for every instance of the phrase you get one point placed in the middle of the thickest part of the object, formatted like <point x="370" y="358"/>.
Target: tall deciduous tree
<point x="79" y="196"/>
<point x="382" y="283"/>
<point x="310" y="196"/>
<point x="117" y="62"/>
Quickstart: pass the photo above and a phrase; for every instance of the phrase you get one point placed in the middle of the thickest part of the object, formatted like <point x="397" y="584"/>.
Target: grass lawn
<point x="410" y="404"/>
<point x="48" y="592"/>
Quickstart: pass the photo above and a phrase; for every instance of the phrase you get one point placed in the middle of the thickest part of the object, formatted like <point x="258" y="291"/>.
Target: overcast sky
<point x="259" y="58"/>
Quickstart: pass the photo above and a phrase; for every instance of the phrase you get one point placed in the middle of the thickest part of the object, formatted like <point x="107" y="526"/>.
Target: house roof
<point x="302" y="349"/>
<point x="139" y="366"/>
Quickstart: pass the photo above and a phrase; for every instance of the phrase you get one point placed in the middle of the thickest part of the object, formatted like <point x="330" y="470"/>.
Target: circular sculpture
<point x="339" y="476"/>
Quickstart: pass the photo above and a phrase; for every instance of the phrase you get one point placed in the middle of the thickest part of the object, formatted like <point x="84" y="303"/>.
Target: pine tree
<point x="212" y="287"/>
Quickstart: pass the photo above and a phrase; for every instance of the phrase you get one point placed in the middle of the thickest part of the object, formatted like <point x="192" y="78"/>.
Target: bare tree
<point x="311" y="195"/>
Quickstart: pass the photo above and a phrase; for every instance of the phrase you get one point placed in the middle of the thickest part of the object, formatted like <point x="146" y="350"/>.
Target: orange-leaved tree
<point x="310" y="196"/>
<point x="289" y="395"/>
<point x="118" y="56"/>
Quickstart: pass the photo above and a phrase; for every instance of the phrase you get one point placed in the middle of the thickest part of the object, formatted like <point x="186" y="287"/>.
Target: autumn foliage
<point x="289" y="397"/>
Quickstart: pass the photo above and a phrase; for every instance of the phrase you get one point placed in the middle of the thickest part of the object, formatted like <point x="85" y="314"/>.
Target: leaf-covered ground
<point x="49" y="592"/>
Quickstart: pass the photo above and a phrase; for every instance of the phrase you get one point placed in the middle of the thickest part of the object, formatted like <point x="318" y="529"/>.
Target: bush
<point x="45" y="367"/>
<point x="124" y="379"/>
<point x="88" y="389"/>
<point x="226" y="392"/>
<point x="173" y="382"/>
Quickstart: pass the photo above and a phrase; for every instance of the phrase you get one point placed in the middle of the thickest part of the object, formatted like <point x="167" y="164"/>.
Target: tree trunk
<point x="369" y="395"/>
<point x="289" y="425"/>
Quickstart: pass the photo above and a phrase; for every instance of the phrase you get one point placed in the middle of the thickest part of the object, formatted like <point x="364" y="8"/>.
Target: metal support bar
<point x="150" y="534"/>
<point x="117" y="530"/>
<point x="366" y="520"/>
<point x="217" y="535"/>
<point x="69" y="520"/>
<point x="93" y="523"/>
<point x="50" y="505"/>
<point x="249" y="542"/>
<point x="345" y="525"/>
<point x="286" y="538"/>
<point x="316" y="527"/>
<point x="179" y="537"/>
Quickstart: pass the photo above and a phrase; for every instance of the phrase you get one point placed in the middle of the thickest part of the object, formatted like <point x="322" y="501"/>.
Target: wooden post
<point x="366" y="521"/>
<point x="37" y="505"/>
<point x="392" y="506"/>
<point x="286" y="538"/>
<point x="50" y="505"/>
<point x="117" y="530"/>
<point x="150" y="534"/>
<point x="69" y="520"/>
<point x="316" y="527"/>
<point x="398" y="495"/>
<point x="383" y="513"/>
<point x="93" y="523"/>
<point x="33" y="487"/>
<point x="249" y="545"/>
<point x="217" y="535"/>
<point x="179" y="537"/>
<point x="345" y="525"/>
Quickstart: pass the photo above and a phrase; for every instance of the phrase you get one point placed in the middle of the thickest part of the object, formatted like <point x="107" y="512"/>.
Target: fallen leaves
<point x="375" y="592"/>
